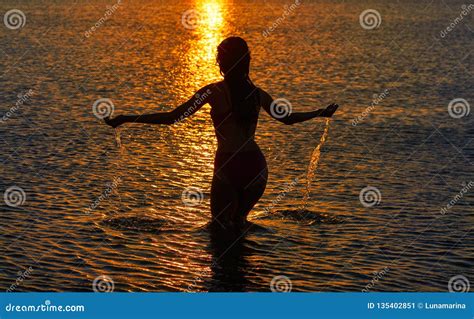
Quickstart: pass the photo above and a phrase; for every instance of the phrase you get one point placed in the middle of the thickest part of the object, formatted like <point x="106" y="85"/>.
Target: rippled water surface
<point x="93" y="208"/>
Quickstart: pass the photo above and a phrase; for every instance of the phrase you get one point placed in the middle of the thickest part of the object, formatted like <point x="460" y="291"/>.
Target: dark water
<point x="94" y="209"/>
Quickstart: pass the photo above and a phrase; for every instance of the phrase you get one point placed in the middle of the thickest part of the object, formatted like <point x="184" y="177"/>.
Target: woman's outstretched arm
<point x="180" y="113"/>
<point x="281" y="111"/>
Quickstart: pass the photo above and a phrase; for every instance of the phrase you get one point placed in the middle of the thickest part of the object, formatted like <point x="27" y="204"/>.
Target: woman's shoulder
<point x="216" y="85"/>
<point x="216" y="93"/>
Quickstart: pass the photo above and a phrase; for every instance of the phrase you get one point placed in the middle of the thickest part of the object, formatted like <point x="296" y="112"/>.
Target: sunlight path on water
<point x="198" y="63"/>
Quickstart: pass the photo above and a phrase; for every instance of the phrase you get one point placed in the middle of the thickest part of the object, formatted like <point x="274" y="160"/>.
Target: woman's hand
<point x="116" y="121"/>
<point x="330" y="110"/>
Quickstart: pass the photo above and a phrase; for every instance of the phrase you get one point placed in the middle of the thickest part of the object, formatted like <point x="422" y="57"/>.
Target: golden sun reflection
<point x="200" y="58"/>
<point x="195" y="68"/>
<point x="210" y="27"/>
<point x="198" y="68"/>
<point x="212" y="10"/>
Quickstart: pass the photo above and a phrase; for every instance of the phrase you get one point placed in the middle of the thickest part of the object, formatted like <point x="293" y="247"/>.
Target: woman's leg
<point x="238" y="183"/>
<point x="224" y="202"/>
<point x="250" y="195"/>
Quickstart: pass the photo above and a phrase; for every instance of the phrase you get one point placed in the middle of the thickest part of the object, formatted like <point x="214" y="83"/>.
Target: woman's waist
<point x="246" y="154"/>
<point x="232" y="147"/>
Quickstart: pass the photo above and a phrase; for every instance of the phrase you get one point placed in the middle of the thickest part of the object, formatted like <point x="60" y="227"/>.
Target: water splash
<point x="118" y="139"/>
<point x="313" y="164"/>
<point x="118" y="144"/>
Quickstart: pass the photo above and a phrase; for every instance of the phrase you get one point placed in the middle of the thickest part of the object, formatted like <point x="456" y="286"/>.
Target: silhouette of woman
<point x="240" y="169"/>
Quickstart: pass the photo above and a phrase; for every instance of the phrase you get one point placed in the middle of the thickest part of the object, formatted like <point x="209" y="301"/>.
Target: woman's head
<point x="233" y="57"/>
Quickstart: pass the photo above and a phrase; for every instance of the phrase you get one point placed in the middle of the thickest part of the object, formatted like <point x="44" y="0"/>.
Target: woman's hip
<point x="241" y="168"/>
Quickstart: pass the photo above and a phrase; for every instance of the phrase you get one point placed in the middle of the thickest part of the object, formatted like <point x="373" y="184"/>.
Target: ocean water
<point x="85" y="208"/>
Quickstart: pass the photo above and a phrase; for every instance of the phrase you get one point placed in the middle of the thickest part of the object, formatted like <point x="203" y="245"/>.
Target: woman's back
<point x="235" y="116"/>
